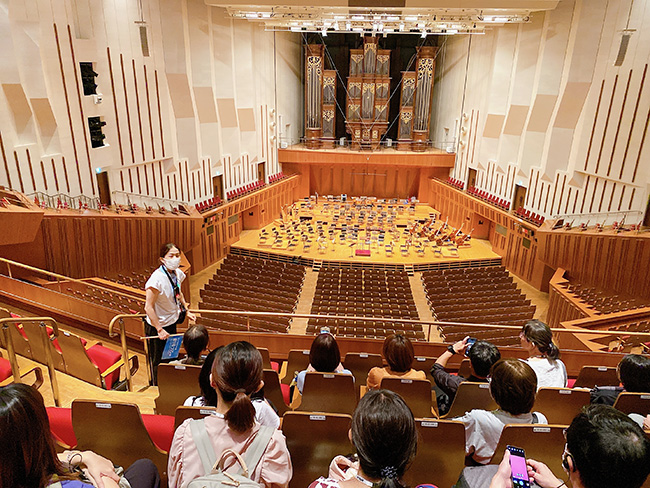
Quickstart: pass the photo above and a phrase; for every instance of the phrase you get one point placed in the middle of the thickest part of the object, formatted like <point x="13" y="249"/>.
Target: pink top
<point x="274" y="469"/>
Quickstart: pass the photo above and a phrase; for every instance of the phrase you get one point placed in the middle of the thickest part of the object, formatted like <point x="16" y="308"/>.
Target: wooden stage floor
<point x="304" y="244"/>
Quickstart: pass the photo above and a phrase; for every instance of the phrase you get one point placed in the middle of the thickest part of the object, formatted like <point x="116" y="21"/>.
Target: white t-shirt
<point x="165" y="305"/>
<point x="550" y="372"/>
<point x="483" y="429"/>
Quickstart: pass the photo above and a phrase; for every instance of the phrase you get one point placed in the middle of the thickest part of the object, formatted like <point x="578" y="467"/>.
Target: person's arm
<point x="646" y="422"/>
<point x="99" y="468"/>
<point x="502" y="477"/>
<point x="542" y="475"/>
<point x="458" y="347"/>
<point x="151" y="297"/>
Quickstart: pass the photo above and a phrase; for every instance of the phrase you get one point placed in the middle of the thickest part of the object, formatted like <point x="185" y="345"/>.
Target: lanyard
<point x="176" y="291"/>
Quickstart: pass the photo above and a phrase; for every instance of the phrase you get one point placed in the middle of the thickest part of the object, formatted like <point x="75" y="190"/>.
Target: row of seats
<point x="602" y="301"/>
<point x="114" y="301"/>
<point x="70" y="353"/>
<point x="209" y="204"/>
<point x="489" y="198"/>
<point x="455" y="183"/>
<point x="529" y="216"/>
<point x="244" y="190"/>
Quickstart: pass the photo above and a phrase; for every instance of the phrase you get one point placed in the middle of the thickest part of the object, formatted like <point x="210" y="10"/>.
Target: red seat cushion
<point x="161" y="429"/>
<point x="61" y="425"/>
<point x="275" y="366"/>
<point x="5" y="369"/>
<point x="104" y="358"/>
<point x="286" y="390"/>
<point x="571" y="382"/>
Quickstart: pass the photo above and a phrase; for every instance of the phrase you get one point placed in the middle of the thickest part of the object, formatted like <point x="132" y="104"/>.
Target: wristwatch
<point x="451" y="349"/>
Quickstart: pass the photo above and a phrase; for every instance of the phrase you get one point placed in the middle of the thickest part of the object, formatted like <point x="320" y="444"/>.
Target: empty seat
<point x="633" y="403"/>
<point x="470" y="396"/>
<point x="360" y="363"/>
<point x="592" y="376"/>
<point x="273" y="391"/>
<point x="416" y="393"/>
<point x="560" y="405"/>
<point x="176" y="382"/>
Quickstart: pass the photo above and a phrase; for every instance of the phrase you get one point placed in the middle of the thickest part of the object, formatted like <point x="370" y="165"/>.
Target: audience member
<point x="604" y="448"/>
<point x="633" y="373"/>
<point x="29" y="458"/>
<point x="195" y="341"/>
<point x="208" y="397"/>
<point x="537" y="340"/>
<point x="165" y="305"/>
<point x="398" y="353"/>
<point x="513" y="386"/>
<point x="236" y="375"/>
<point x="482" y="355"/>
<point x="324" y="357"/>
<point x="385" y="437"/>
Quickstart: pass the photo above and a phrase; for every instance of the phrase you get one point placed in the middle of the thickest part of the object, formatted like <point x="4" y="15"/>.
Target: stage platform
<point x="353" y="235"/>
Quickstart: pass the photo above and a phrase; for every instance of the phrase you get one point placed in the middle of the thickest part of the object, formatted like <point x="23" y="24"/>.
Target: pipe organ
<point x="314" y="95"/>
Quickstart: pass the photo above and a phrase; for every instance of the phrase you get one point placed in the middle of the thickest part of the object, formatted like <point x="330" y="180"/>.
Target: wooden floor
<point x="300" y="242"/>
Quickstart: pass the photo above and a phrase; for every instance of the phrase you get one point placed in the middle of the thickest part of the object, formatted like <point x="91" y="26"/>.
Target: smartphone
<point x="518" y="468"/>
<point x="325" y="330"/>
<point x="470" y="343"/>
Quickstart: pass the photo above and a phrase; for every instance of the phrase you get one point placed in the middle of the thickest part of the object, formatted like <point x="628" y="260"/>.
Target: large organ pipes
<point x="313" y="94"/>
<point x="423" y="91"/>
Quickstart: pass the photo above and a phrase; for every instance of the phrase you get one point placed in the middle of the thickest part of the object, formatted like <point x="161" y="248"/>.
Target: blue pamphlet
<point x="172" y="347"/>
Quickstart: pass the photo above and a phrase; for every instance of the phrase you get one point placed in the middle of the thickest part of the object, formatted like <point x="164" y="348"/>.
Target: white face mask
<point x="172" y="264"/>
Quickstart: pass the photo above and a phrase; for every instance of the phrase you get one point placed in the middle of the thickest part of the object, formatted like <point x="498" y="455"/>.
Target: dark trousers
<point x="156" y="347"/>
<point x="143" y="474"/>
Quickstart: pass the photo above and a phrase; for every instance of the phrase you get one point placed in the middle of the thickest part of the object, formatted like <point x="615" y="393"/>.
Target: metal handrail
<point x="11" y="351"/>
<point x="9" y="263"/>
<point x="147" y="198"/>
<point x="52" y="200"/>
<point x="125" y="351"/>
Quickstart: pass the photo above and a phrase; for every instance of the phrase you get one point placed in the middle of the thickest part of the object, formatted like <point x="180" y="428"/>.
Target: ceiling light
<point x="251" y="15"/>
<point x="296" y="29"/>
<point x="424" y="34"/>
<point x="411" y="18"/>
<point x="357" y="17"/>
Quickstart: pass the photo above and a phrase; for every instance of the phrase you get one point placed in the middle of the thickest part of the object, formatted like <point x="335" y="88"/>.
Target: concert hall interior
<point x="434" y="169"/>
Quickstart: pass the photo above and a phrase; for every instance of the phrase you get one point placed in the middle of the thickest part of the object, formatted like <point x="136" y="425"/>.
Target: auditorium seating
<point x="209" y="204"/>
<point x="477" y="295"/>
<point x="417" y="394"/>
<point x="606" y="301"/>
<point x="530" y="217"/>
<point x="182" y="413"/>
<point x="560" y="405"/>
<point x="471" y="396"/>
<point x="364" y="293"/>
<point x="486" y="197"/>
<point x="176" y="382"/>
<point x="120" y="303"/>
<point x="252" y="284"/>
<point x="328" y="392"/>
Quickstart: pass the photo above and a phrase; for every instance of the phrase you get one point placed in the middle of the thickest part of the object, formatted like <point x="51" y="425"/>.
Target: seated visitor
<point x="29" y="458"/>
<point x="513" y="385"/>
<point x="604" y="448"/>
<point x="482" y="355"/>
<point x="195" y="341"/>
<point x="537" y="340"/>
<point x="236" y="375"/>
<point x="324" y="357"/>
<point x="633" y="373"/>
<point x="398" y="353"/>
<point x="384" y="436"/>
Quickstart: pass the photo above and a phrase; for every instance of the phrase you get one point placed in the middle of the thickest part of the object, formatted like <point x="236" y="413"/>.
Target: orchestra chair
<point x="416" y="393"/>
<point x="592" y="376"/>
<point x="266" y="359"/>
<point x="541" y="442"/>
<point x="176" y="382"/>
<point x="628" y="403"/>
<point x="35" y="333"/>
<point x="360" y="364"/>
<point x="117" y="431"/>
<point x="328" y="392"/>
<point x="560" y="405"/>
<point x="183" y="413"/>
<point x="313" y="441"/>
<point x="471" y="396"/>
<point x="441" y="453"/>
<point x="6" y="375"/>
<point x="297" y="360"/>
<point x="274" y="391"/>
<point x="98" y="365"/>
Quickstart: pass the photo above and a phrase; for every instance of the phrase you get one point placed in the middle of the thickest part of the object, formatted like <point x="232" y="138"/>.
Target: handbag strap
<point x="203" y="444"/>
<point x="258" y="447"/>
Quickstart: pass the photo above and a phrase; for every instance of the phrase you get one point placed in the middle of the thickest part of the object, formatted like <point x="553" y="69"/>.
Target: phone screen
<point x="470" y="343"/>
<point x="518" y="468"/>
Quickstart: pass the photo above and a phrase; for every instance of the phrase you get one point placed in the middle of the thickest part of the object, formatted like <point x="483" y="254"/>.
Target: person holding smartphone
<point x="165" y="304"/>
<point x="604" y="448"/>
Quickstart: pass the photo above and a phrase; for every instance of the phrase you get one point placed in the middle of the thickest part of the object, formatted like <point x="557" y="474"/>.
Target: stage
<point x="373" y="232"/>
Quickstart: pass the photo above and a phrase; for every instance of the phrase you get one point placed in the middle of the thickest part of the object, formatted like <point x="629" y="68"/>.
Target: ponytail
<point x="552" y="351"/>
<point x="237" y="371"/>
<point x="539" y="335"/>
<point x="241" y="414"/>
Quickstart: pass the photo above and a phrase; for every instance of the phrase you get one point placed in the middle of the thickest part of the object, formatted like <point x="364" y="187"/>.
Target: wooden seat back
<point x="38" y="337"/>
<point x="360" y="364"/>
<point x="176" y="382"/>
<point x="441" y="453"/>
<point x="541" y="442"/>
<point x="313" y="441"/>
<point x="183" y="413"/>
<point x="416" y="393"/>
<point x="273" y="391"/>
<point x="115" y="431"/>
<point x="77" y="362"/>
<point x="628" y="402"/>
<point x="423" y="363"/>
<point x="592" y="376"/>
<point x="297" y="360"/>
<point x="560" y="405"/>
<point x="470" y="396"/>
<point x="328" y="392"/>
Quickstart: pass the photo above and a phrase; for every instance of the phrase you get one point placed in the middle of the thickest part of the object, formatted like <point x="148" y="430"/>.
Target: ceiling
<point x="383" y="17"/>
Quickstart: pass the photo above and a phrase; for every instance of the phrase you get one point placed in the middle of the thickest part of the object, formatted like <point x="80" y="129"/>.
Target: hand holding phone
<point x="469" y="344"/>
<point x="518" y="468"/>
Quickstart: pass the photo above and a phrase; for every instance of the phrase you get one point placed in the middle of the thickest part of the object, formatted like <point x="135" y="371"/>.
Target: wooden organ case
<point x="368" y="93"/>
<point x="313" y="95"/>
<point x="415" y="102"/>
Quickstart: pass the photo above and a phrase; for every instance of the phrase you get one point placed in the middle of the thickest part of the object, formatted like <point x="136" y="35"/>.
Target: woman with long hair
<point x="398" y="353"/>
<point x="385" y="438"/>
<point x="543" y="355"/>
<point x="324" y="357"/>
<point x="236" y="375"/>
<point x="28" y="458"/>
